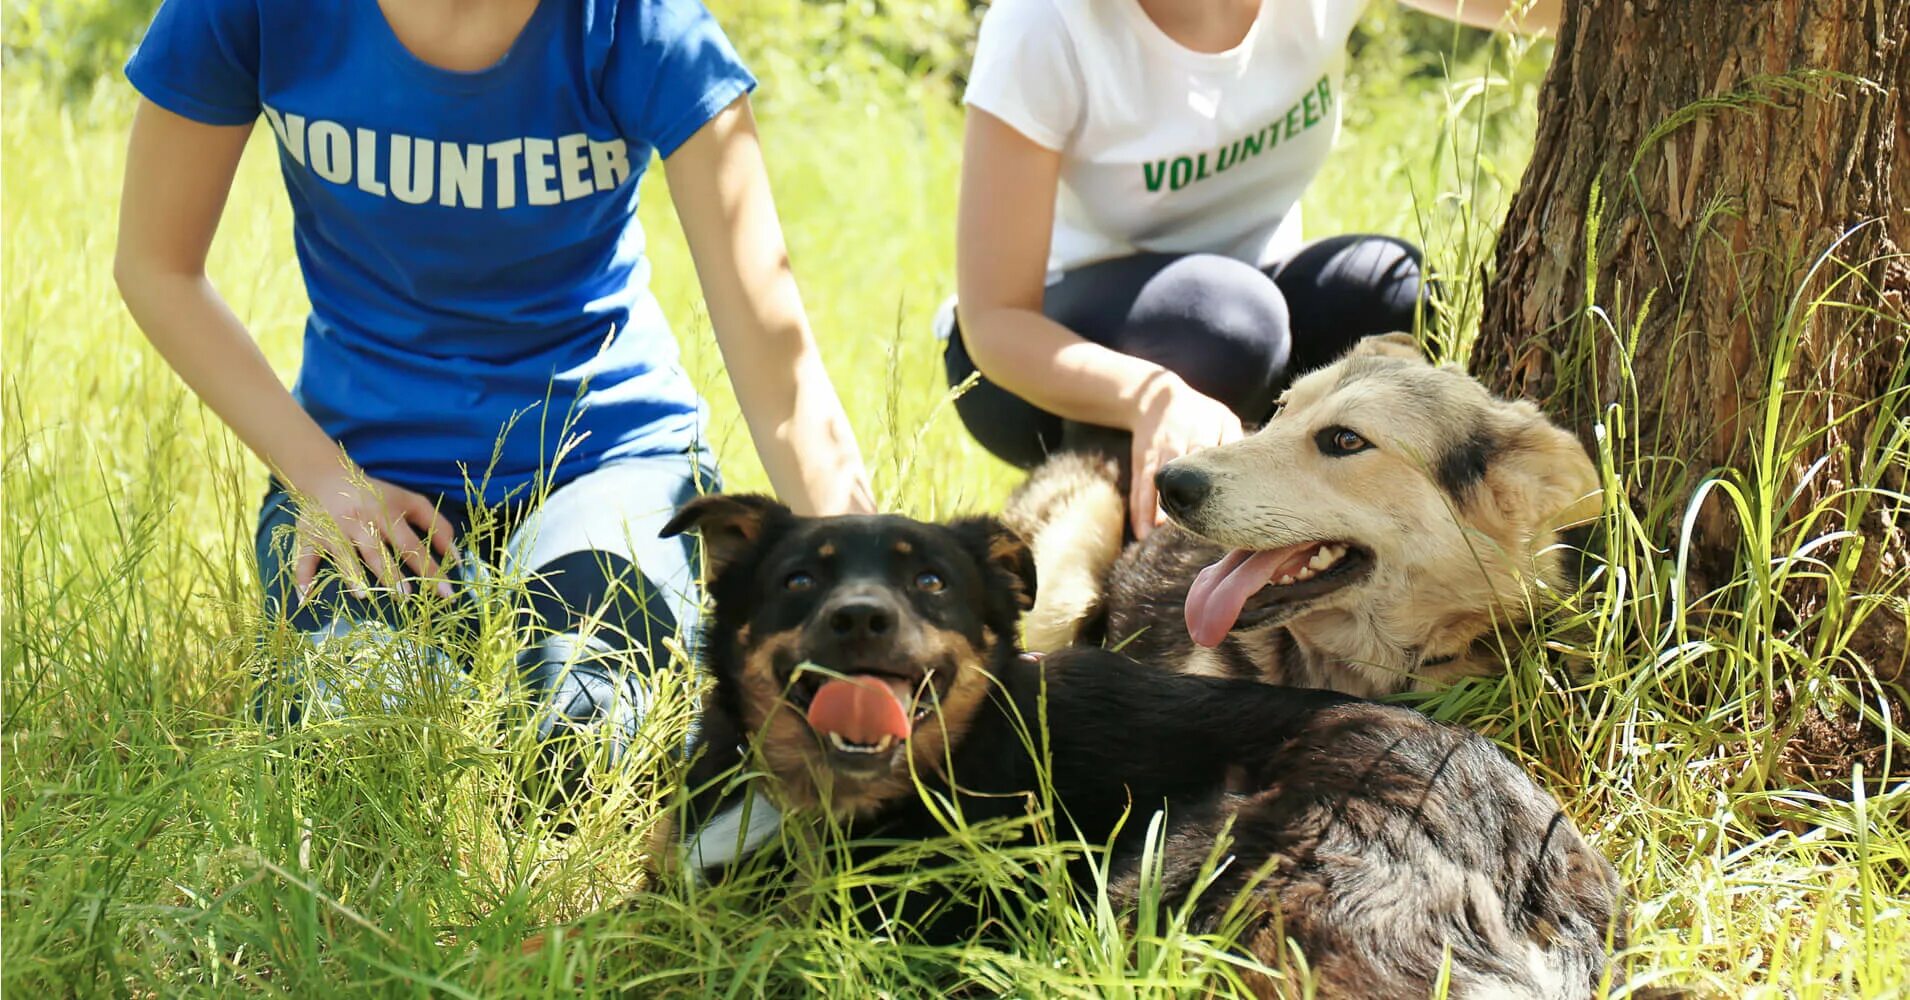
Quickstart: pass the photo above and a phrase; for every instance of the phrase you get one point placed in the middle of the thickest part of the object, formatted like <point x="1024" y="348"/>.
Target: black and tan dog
<point x="855" y="657"/>
<point x="1368" y="539"/>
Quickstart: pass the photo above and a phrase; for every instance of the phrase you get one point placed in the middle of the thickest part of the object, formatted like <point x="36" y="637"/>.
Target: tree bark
<point x="1707" y="171"/>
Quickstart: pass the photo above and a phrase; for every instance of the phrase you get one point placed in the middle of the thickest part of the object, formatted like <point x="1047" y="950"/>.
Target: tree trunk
<point x="1722" y="166"/>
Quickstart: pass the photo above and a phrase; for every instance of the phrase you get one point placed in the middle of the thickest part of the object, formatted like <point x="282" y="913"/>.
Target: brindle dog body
<point x="1389" y="849"/>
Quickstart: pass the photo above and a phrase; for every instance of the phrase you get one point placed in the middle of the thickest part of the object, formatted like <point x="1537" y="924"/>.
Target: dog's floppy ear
<point x="1540" y="480"/>
<point x="1389" y="345"/>
<point x="1003" y="553"/>
<point x="729" y="523"/>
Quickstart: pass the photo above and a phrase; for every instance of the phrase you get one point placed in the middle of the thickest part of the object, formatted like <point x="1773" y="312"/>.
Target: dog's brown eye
<point x="929" y="583"/>
<point x="1340" y="441"/>
<point x="798" y="582"/>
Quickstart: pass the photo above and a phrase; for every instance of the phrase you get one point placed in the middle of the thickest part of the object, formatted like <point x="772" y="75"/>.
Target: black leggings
<point x="1229" y="330"/>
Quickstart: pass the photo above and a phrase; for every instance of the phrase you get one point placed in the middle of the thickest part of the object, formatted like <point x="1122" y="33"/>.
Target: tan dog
<point x="1367" y="539"/>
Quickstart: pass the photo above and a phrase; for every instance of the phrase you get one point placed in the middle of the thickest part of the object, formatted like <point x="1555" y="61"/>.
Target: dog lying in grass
<point x="1366" y="540"/>
<point x="868" y="666"/>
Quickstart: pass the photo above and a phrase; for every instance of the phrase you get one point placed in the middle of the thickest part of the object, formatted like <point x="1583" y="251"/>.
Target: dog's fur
<point x="1459" y="508"/>
<point x="1382" y="844"/>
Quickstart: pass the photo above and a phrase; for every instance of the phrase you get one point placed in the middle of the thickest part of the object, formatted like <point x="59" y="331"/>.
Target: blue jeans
<point x="602" y="597"/>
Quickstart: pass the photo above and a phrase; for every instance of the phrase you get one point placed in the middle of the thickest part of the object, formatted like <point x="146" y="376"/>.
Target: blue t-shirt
<point x="469" y="241"/>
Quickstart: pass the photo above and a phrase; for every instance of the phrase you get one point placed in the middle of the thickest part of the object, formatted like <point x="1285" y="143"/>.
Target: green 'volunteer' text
<point x="1180" y="171"/>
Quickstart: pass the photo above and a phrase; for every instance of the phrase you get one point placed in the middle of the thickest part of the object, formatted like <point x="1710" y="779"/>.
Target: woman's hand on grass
<point x="1174" y="419"/>
<point x="358" y="524"/>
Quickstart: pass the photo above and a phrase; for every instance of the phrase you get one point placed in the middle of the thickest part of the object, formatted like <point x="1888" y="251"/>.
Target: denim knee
<point x="329" y="648"/>
<point x="578" y="684"/>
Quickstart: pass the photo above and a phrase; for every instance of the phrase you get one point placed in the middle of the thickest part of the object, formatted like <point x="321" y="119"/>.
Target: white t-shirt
<point x="1163" y="148"/>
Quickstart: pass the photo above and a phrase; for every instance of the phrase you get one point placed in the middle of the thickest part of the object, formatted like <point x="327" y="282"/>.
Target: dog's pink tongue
<point x="1221" y="590"/>
<point x="860" y="710"/>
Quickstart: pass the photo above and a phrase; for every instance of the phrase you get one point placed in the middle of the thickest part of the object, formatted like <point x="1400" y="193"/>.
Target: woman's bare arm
<point x="720" y="188"/>
<point x="178" y="174"/>
<point x="1004" y="228"/>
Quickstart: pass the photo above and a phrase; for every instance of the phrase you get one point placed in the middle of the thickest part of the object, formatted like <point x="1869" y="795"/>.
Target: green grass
<point x="158" y="844"/>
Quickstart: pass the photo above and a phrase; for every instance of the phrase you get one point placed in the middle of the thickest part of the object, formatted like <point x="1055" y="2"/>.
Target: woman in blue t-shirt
<point x="483" y="350"/>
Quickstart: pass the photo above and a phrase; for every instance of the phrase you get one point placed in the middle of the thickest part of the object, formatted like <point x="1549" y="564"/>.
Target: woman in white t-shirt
<point x="1129" y="253"/>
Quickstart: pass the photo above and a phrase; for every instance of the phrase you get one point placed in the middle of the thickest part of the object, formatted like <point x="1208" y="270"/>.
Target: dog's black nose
<point x="861" y="618"/>
<point x="1181" y="489"/>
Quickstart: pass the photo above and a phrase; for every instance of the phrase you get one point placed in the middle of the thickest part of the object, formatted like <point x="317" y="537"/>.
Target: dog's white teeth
<point x="1323" y="558"/>
<point x="836" y="740"/>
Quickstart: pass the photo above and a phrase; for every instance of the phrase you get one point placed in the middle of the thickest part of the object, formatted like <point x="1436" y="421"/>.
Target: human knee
<point x="585" y="708"/>
<point x="1219" y="323"/>
<point x="1383" y="263"/>
<point x="1381" y="276"/>
<point x="593" y="559"/>
<point x="602" y="630"/>
<point x="604" y="595"/>
<point x="577" y="682"/>
<point x="347" y="664"/>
